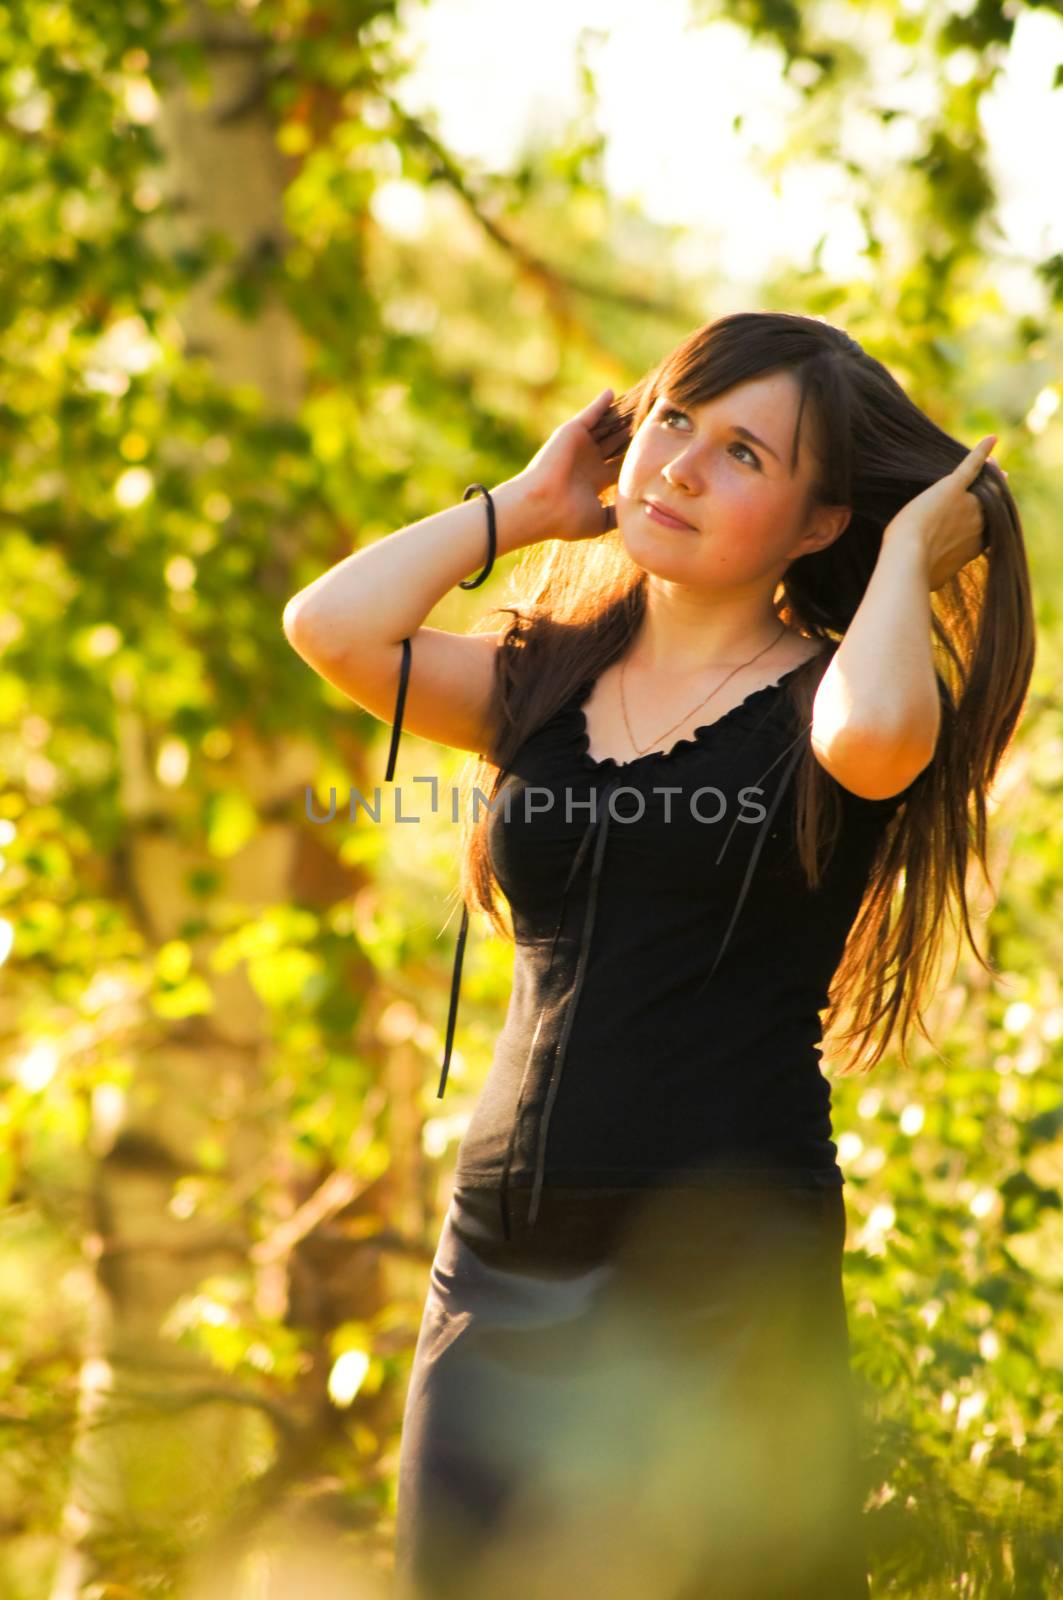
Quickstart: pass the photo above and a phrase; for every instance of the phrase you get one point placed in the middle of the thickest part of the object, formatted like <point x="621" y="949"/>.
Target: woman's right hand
<point x="573" y="468"/>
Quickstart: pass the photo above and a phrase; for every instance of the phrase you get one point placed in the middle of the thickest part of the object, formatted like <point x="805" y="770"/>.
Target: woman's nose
<point x="683" y="472"/>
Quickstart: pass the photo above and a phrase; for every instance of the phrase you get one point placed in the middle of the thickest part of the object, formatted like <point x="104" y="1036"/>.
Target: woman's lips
<point x="664" y="519"/>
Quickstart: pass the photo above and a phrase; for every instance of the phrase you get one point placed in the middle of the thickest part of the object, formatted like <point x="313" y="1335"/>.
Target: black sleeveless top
<point x="670" y="959"/>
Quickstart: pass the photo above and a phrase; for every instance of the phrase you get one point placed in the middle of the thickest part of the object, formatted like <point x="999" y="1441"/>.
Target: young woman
<point x="742" y="713"/>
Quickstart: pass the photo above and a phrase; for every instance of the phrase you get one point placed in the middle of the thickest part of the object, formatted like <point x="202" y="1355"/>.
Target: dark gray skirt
<point x="648" y="1396"/>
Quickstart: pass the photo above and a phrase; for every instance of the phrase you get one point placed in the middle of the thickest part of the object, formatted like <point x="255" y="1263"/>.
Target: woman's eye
<point x="673" y="411"/>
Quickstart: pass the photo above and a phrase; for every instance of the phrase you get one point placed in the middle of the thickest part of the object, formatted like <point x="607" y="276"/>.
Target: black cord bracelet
<point x="492" y="539"/>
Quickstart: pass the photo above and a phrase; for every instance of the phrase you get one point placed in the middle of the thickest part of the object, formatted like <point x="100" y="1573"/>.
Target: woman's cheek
<point x="626" y="476"/>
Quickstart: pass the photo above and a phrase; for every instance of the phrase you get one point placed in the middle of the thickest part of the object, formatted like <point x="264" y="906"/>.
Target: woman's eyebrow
<point x="746" y="433"/>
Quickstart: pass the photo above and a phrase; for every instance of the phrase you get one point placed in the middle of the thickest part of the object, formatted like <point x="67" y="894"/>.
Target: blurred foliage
<point x="156" y="517"/>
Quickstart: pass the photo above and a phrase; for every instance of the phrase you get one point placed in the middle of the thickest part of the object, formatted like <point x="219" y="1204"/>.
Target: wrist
<point x="522" y="513"/>
<point x="903" y="547"/>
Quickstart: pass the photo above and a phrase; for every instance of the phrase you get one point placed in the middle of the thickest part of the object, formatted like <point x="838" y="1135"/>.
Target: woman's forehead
<point x="778" y="391"/>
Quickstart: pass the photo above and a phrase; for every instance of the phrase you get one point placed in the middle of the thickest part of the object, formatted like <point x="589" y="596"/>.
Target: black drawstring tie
<point x="400" y="706"/>
<point x="455" y="986"/>
<point x="455" y="982"/>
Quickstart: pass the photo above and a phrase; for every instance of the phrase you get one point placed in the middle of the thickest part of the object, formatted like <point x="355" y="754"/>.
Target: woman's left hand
<point x="946" y="519"/>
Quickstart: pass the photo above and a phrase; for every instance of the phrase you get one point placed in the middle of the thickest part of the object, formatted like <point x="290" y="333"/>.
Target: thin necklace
<point x="690" y="713"/>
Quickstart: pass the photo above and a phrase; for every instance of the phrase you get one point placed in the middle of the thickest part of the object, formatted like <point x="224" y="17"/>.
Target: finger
<point x="613" y="413"/>
<point x="594" y="411"/>
<point x="975" y="460"/>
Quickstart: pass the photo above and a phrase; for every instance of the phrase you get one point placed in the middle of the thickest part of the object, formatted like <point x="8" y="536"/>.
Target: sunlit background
<point x="276" y="279"/>
<point x="694" y="117"/>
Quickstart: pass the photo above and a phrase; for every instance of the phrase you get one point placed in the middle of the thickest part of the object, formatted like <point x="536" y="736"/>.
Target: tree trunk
<point x="165" y="1440"/>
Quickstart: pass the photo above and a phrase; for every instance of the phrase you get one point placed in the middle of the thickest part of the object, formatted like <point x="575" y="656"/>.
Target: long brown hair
<point x="575" y="607"/>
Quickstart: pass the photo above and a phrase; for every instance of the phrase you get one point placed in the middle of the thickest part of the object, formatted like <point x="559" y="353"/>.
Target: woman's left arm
<point x="876" y="714"/>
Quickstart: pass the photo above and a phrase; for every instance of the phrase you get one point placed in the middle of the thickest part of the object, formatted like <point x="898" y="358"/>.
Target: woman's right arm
<point x="349" y="623"/>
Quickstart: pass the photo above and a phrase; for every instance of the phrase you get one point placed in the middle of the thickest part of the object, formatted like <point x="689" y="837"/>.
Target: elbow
<point x="302" y="628"/>
<point x="289" y="618"/>
<point x="295" y="632"/>
<point x="876" y="766"/>
<point x="303" y="633"/>
<point x="320" y="638"/>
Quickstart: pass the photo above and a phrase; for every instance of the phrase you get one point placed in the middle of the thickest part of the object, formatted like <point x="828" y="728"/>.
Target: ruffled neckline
<point x="573" y="714"/>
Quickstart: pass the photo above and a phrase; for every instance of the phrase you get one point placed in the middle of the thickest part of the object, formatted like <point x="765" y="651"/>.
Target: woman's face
<point x="743" y="507"/>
